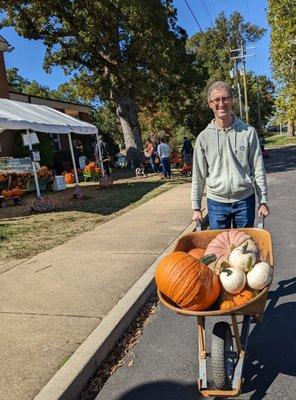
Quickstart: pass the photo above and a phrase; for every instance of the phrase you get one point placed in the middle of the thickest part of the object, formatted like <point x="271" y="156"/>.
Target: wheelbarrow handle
<point x="261" y="222"/>
<point x="198" y="225"/>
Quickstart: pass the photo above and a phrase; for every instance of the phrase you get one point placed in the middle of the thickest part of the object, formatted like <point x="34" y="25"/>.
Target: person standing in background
<point x="164" y="153"/>
<point x="103" y="148"/>
<point x="187" y="150"/>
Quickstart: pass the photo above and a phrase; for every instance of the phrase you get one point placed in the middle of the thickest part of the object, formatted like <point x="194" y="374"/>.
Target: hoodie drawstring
<point x="217" y="133"/>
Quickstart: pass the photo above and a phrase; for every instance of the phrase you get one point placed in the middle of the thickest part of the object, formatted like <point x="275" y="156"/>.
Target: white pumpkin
<point x="242" y="258"/>
<point x="233" y="280"/>
<point x="260" y="276"/>
<point x="252" y="246"/>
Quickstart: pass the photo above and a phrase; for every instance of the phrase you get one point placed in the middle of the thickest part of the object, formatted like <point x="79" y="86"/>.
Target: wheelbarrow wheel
<point x="222" y="355"/>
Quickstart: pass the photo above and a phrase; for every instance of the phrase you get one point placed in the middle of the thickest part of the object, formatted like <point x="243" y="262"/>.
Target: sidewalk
<point x="52" y="302"/>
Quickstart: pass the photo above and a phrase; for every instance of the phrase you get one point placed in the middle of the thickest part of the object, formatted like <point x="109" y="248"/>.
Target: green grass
<point x="279" y="140"/>
<point x="24" y="235"/>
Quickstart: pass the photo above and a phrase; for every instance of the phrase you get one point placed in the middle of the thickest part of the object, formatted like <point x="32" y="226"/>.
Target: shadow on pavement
<point x="281" y="159"/>
<point x="163" y="390"/>
<point x="272" y="349"/>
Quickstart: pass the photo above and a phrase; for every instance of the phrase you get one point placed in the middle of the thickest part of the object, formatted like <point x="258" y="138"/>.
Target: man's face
<point x="221" y="103"/>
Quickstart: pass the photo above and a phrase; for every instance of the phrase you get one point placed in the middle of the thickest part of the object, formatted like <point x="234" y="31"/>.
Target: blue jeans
<point x="240" y="214"/>
<point x="166" y="167"/>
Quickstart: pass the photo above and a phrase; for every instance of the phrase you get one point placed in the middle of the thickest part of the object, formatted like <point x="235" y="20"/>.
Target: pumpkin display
<point x="233" y="280"/>
<point x="242" y="258"/>
<point x="69" y="177"/>
<point x="260" y="276"/>
<point x="188" y="281"/>
<point x="197" y="252"/>
<point x="223" y="244"/>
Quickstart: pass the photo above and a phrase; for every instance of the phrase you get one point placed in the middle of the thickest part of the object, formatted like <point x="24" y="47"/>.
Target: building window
<point x="56" y="140"/>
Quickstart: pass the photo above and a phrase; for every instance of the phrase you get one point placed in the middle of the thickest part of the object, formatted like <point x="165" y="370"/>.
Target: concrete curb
<point x="69" y="382"/>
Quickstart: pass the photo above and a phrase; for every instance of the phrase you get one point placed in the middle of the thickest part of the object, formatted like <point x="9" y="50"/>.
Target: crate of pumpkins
<point x="217" y="272"/>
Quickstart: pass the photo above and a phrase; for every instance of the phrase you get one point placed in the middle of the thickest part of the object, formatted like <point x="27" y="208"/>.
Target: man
<point x="228" y="160"/>
<point x="164" y="153"/>
<point x="102" y="147"/>
<point x="187" y="150"/>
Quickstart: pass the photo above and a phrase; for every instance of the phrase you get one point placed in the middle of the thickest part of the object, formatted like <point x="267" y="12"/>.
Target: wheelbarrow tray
<point x="201" y="239"/>
<point x="255" y="308"/>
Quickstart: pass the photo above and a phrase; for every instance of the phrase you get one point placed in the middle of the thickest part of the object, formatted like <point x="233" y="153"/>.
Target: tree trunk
<point x="127" y="113"/>
<point x="291" y="131"/>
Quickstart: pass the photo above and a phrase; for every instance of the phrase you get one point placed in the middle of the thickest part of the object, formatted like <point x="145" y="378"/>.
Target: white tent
<point x="27" y="116"/>
<point x="17" y="115"/>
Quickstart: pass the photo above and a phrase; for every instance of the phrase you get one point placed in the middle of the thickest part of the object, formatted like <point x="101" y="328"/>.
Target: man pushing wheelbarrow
<point x="227" y="270"/>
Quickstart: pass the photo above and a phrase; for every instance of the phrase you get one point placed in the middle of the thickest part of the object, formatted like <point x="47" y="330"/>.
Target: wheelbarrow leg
<point x="242" y="347"/>
<point x="202" y="354"/>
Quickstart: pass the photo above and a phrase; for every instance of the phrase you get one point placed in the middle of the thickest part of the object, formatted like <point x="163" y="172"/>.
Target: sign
<point x="30" y="138"/>
<point x="36" y="155"/>
<point x="11" y="165"/>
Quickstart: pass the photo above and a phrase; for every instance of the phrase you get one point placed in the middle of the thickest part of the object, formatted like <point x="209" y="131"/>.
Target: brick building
<point x="60" y="142"/>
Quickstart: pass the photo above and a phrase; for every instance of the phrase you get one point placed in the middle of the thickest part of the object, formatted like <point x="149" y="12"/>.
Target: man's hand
<point x="197" y="215"/>
<point x="263" y="210"/>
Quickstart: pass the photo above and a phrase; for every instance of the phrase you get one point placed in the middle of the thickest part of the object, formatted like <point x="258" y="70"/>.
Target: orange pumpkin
<point x="7" y="193"/>
<point x="229" y="301"/>
<point x="69" y="178"/>
<point x="223" y="244"/>
<point x="226" y="302"/>
<point x="188" y="282"/>
<point x="197" y="252"/>
<point x="243" y="297"/>
<point x="17" y="192"/>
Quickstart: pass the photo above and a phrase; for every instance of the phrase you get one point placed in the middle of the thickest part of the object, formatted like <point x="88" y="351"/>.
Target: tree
<point x="282" y="19"/>
<point x="16" y="80"/>
<point x="260" y="90"/>
<point x="212" y="51"/>
<point x="119" y="50"/>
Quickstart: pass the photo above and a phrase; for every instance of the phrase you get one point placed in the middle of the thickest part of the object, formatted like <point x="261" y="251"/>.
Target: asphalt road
<point x="163" y="364"/>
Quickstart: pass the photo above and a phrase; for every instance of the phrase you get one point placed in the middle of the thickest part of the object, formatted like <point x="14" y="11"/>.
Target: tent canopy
<point x="17" y="115"/>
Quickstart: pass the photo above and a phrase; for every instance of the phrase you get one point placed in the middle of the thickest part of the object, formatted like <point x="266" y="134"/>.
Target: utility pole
<point x="238" y="55"/>
<point x="258" y="108"/>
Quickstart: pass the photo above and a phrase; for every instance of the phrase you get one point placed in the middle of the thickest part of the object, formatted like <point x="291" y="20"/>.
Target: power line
<point x="212" y="11"/>
<point x="248" y="10"/>
<point x="208" y="13"/>
<point x="194" y="16"/>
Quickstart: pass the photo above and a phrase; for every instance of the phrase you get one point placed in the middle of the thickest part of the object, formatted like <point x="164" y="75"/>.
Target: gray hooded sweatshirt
<point x="230" y="163"/>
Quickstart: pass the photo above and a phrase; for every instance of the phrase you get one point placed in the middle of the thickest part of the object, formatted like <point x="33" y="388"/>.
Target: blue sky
<point x="28" y="55"/>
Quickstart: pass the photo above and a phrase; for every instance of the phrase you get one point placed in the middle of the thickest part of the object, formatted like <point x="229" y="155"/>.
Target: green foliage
<point x="261" y="89"/>
<point x="105" y="119"/>
<point x="15" y="80"/>
<point x="282" y="19"/>
<point x="212" y="47"/>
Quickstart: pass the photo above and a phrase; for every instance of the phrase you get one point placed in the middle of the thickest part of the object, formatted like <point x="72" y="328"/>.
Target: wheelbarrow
<point x="227" y="356"/>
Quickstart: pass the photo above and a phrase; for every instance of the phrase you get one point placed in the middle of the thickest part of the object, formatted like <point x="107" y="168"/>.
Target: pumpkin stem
<point x="225" y="268"/>
<point x="208" y="259"/>
<point x="232" y="247"/>
<point x="244" y="248"/>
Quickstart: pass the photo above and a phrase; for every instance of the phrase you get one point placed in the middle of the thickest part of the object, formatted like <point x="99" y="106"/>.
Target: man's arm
<point x="258" y="171"/>
<point x="199" y="174"/>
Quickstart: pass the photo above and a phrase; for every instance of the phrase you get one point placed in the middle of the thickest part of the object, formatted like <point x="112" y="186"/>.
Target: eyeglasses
<point x="223" y="99"/>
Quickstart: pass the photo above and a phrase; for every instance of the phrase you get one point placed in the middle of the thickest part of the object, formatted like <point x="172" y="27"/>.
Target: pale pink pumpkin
<point x="223" y="244"/>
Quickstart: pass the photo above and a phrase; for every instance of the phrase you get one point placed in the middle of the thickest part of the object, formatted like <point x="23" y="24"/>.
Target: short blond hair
<point x="219" y="85"/>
